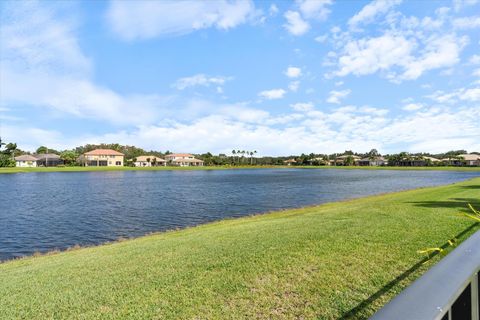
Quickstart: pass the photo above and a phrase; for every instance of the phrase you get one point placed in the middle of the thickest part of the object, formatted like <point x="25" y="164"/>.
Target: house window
<point x="118" y="163"/>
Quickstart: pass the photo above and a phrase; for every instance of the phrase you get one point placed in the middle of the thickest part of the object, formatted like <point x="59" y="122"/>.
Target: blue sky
<point x="281" y="78"/>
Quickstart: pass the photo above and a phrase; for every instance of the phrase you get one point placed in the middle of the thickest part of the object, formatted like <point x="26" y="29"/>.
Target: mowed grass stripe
<point x="313" y="263"/>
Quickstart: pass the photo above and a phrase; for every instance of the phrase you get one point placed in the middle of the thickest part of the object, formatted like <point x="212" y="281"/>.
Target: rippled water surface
<point x="46" y="211"/>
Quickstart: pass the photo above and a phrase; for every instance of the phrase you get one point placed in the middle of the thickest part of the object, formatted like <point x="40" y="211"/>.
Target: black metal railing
<point x="448" y="291"/>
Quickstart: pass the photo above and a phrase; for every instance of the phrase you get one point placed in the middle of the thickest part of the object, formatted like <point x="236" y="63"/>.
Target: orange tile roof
<point x="104" y="152"/>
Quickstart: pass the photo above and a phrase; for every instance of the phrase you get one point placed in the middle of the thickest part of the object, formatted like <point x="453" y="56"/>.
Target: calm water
<point x="46" y="211"/>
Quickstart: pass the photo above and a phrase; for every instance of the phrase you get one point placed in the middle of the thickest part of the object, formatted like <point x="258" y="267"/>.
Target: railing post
<point x="474" y="286"/>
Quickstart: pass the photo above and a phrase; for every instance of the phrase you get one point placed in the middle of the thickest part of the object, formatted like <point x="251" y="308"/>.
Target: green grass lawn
<point x="75" y="169"/>
<point x="338" y="260"/>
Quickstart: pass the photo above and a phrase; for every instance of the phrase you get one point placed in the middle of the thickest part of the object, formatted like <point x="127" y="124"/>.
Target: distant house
<point x="418" y="161"/>
<point x="470" y="159"/>
<point x="319" y="162"/>
<point x="48" y="160"/>
<point x="183" y="160"/>
<point x="342" y="160"/>
<point x="150" y="161"/>
<point x="431" y="160"/>
<point x="289" y="162"/>
<point x="38" y="160"/>
<point x="102" y="158"/>
<point x="26" y="161"/>
<point x="376" y="161"/>
<point x="452" y="161"/>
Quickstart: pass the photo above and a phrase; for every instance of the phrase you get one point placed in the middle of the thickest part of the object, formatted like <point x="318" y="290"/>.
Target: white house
<point x="470" y="159"/>
<point x="183" y="160"/>
<point x="26" y="161"/>
<point x="149" y="161"/>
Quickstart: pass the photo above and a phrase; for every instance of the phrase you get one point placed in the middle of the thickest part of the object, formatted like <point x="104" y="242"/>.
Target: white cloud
<point x="439" y="52"/>
<point x="243" y="113"/>
<point x="467" y="22"/>
<point x="442" y="97"/>
<point x="384" y="53"/>
<point x="273" y="10"/>
<point x="470" y="94"/>
<point x="460" y="4"/>
<point x="322" y="38"/>
<point x="302" y="106"/>
<point x="293" y="86"/>
<point x="475" y="59"/>
<point x="293" y="72"/>
<point x="314" y="9"/>
<point x="476" y="73"/>
<point x="87" y="100"/>
<point x="373" y="111"/>
<point x="272" y="94"/>
<point x="426" y="132"/>
<point x="30" y="138"/>
<point x="200" y="80"/>
<point x="240" y="126"/>
<point x="307" y="10"/>
<point x="412" y="106"/>
<point x="295" y="24"/>
<point x="33" y="36"/>
<point x="367" y="56"/>
<point x="337" y="96"/>
<point x="461" y="94"/>
<point x="132" y="20"/>
<point x="372" y="11"/>
<point x="43" y="66"/>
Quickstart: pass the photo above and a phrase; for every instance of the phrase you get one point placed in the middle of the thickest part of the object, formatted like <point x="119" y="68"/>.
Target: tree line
<point x="237" y="157"/>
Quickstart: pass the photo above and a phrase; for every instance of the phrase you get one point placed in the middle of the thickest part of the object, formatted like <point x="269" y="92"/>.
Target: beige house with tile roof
<point x="342" y="159"/>
<point x="183" y="160"/>
<point x="103" y="158"/>
<point x="470" y="159"/>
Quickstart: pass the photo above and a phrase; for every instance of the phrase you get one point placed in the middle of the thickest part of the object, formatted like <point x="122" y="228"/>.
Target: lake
<point x="46" y="211"/>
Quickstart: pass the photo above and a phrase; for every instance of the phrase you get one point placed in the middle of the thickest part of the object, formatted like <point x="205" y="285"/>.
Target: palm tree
<point x="233" y="153"/>
<point x="349" y="161"/>
<point x="148" y="160"/>
<point x="373" y="155"/>
<point x="255" y="152"/>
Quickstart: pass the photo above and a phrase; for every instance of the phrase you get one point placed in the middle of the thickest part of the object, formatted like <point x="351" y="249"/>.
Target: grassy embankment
<point x="79" y="169"/>
<point x="337" y="260"/>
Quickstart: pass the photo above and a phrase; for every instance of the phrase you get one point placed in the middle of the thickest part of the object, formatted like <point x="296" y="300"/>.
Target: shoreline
<point x="103" y="169"/>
